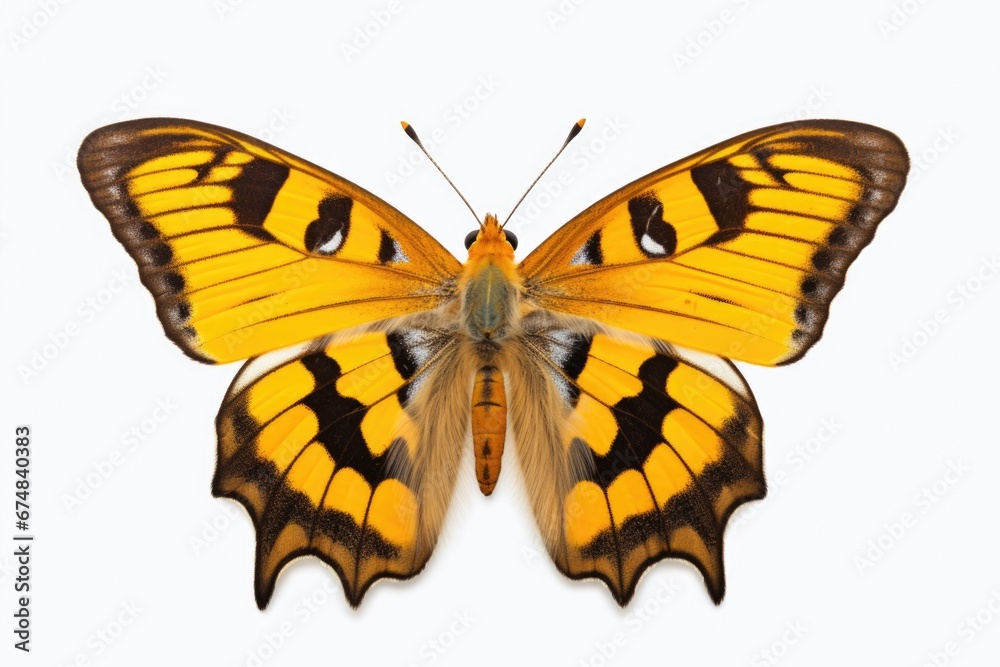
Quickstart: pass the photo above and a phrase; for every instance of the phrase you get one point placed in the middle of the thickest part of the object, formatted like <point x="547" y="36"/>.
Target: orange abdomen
<point x="489" y="425"/>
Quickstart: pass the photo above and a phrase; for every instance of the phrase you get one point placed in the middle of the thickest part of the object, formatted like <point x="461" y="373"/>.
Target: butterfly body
<point x="490" y="293"/>
<point x="375" y="356"/>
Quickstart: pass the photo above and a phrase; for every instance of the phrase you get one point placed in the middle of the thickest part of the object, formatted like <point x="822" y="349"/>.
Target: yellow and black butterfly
<point x="374" y="353"/>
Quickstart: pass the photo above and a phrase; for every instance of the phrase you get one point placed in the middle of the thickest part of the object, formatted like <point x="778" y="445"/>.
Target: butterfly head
<point x="491" y="240"/>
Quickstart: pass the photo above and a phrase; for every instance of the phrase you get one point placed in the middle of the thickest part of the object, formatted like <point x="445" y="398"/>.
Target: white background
<point x="826" y="554"/>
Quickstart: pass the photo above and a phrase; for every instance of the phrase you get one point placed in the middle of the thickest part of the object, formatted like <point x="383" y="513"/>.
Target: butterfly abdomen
<point x="489" y="425"/>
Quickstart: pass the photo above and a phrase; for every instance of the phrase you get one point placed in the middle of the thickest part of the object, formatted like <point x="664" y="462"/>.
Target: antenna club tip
<point x="575" y="130"/>
<point x="411" y="133"/>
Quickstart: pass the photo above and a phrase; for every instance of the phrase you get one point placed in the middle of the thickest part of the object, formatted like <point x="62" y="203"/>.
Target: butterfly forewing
<point x="737" y="250"/>
<point x="248" y="249"/>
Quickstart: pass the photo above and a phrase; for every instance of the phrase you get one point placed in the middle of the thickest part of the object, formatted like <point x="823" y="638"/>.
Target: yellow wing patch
<point x="248" y="249"/>
<point x="320" y="450"/>
<point x="737" y="250"/>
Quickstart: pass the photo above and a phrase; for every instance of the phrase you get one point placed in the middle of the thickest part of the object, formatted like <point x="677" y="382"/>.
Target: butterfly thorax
<point x="490" y="290"/>
<point x="489" y="287"/>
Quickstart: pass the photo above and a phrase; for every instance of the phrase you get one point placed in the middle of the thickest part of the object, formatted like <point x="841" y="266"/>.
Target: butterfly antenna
<point x="412" y="134"/>
<point x="575" y="130"/>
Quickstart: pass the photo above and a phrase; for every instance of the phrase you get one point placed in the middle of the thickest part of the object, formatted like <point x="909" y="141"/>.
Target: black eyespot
<point x="511" y="239"/>
<point x="470" y="238"/>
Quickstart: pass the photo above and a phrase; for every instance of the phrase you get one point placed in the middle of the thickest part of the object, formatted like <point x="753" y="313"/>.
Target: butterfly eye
<point x="470" y="238"/>
<point x="511" y="239"/>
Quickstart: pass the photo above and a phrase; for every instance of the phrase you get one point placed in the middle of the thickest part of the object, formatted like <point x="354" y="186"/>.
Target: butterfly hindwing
<point x="737" y="250"/>
<point x="328" y="452"/>
<point x="248" y="249"/>
<point x="662" y="444"/>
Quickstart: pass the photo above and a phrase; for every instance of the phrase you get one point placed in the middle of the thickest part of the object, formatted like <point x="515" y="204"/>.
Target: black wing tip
<point x="104" y="146"/>
<point x="865" y="135"/>
<point x="895" y="159"/>
<point x="837" y="124"/>
<point x="100" y="160"/>
<point x="262" y="595"/>
<point x="115" y="134"/>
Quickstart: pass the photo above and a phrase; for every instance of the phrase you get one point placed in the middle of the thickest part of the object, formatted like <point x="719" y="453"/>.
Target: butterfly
<point x="375" y="356"/>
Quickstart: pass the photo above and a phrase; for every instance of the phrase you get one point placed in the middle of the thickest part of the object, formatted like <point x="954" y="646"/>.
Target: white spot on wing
<point x="561" y="342"/>
<point x="562" y="386"/>
<point x="397" y="253"/>
<point x="418" y="345"/>
<point x="559" y="346"/>
<point x="333" y="244"/>
<point x="581" y="256"/>
<point x="651" y="246"/>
